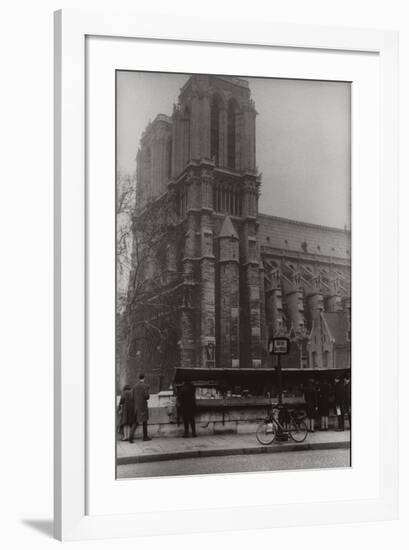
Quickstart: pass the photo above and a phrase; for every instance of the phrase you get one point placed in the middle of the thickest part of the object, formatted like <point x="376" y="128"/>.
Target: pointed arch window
<point x="186" y="135"/>
<point x="232" y="111"/>
<point x="215" y="129"/>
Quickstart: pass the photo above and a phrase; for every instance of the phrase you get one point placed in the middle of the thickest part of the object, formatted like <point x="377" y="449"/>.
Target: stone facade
<point x="224" y="277"/>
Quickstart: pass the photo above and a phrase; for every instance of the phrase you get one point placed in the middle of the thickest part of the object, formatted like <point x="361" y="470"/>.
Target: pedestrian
<point x="187" y="401"/>
<point x="347" y="391"/>
<point x="126" y="413"/>
<point x="310" y="396"/>
<point x="323" y="403"/>
<point x="339" y="401"/>
<point x="140" y="398"/>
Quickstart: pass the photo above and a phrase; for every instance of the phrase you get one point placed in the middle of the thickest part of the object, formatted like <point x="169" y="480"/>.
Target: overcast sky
<point x="302" y="139"/>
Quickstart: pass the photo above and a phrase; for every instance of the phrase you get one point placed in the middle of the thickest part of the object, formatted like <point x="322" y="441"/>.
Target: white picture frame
<point x="72" y="518"/>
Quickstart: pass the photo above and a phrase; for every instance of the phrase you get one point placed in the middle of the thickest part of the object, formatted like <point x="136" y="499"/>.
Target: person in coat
<point x="323" y="403"/>
<point x="187" y="402"/>
<point x="140" y="394"/>
<point x="310" y="397"/>
<point x="347" y="392"/>
<point x="339" y="401"/>
<point x="126" y="413"/>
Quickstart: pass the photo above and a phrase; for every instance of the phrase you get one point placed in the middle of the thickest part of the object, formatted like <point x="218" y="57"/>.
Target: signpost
<point x="279" y="346"/>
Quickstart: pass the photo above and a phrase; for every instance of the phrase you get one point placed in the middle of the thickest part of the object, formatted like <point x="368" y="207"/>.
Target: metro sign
<point x="278" y="346"/>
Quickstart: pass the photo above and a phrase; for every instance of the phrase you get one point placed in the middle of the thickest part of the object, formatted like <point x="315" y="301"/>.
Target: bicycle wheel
<point x="266" y="432"/>
<point x="298" y="430"/>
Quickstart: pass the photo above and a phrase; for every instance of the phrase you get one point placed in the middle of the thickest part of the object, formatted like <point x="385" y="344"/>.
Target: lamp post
<point x="278" y="346"/>
<point x="279" y="380"/>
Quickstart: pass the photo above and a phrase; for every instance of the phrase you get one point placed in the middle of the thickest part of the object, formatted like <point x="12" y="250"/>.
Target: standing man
<point x="187" y="400"/>
<point x="140" y="398"/>
<point x="339" y="401"/>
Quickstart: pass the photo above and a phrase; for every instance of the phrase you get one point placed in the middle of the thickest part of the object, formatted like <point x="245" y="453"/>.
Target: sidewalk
<point x="172" y="448"/>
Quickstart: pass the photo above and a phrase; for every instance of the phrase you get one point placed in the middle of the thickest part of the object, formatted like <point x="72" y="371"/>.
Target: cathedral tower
<point x="213" y="169"/>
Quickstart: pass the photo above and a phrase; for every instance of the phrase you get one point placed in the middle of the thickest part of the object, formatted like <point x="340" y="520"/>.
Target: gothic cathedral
<point x="212" y="277"/>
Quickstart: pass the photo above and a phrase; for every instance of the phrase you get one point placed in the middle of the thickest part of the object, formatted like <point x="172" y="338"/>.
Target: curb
<point x="275" y="448"/>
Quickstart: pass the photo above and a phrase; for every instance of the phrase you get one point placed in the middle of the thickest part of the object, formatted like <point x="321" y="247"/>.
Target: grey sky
<point x="302" y="133"/>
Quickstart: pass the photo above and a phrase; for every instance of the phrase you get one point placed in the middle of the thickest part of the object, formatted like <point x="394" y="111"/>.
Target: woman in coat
<point x="126" y="412"/>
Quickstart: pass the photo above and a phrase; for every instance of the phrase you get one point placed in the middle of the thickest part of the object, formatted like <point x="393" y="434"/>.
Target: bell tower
<point x="214" y="175"/>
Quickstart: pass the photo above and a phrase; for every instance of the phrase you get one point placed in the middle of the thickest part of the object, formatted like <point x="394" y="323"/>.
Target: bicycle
<point x="282" y="420"/>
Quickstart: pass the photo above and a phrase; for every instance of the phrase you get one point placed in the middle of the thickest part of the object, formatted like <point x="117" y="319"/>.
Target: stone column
<point x="188" y="348"/>
<point x="263" y="328"/>
<point x="295" y="307"/>
<point x="206" y="269"/>
<point x="250" y="335"/>
<point x="249" y="193"/>
<point x="274" y="311"/>
<point x="188" y="336"/>
<point x="189" y="252"/>
<point x="251" y="283"/>
<point x="316" y="307"/>
<point x="333" y="301"/>
<point x="207" y="296"/>
<point x="228" y="346"/>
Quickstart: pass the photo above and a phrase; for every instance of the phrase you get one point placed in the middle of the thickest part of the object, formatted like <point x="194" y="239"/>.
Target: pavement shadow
<point x="44" y="526"/>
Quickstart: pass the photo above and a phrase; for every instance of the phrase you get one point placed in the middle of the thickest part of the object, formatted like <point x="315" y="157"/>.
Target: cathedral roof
<point x="227" y="229"/>
<point x="298" y="236"/>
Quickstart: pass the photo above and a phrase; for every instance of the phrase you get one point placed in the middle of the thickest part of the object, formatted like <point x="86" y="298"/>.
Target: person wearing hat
<point x="140" y="394"/>
<point x="187" y="399"/>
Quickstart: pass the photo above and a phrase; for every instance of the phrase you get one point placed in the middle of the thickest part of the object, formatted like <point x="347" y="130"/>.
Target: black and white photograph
<point x="233" y="274"/>
<point x="205" y="238"/>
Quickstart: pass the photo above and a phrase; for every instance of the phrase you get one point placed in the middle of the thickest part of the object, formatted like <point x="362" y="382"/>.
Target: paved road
<point x="242" y="463"/>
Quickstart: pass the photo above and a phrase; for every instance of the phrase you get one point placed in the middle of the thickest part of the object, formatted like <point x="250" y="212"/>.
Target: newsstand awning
<point x="214" y="373"/>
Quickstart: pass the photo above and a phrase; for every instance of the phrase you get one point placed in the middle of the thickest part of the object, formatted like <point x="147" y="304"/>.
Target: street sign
<point x="278" y="346"/>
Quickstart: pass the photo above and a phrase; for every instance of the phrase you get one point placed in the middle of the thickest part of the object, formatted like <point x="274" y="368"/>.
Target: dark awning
<point x="184" y="373"/>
